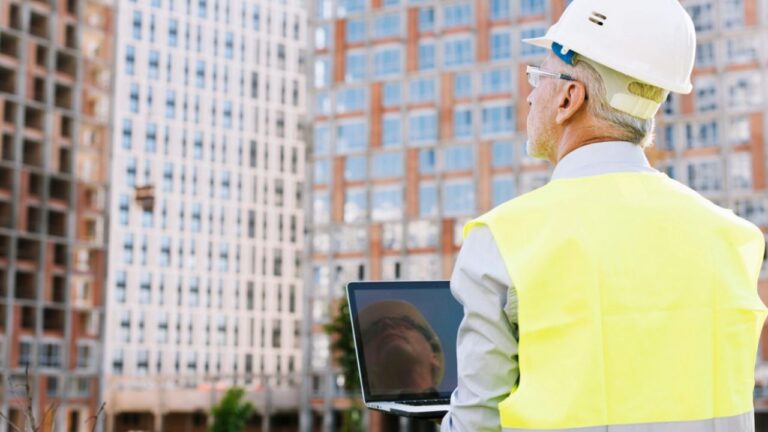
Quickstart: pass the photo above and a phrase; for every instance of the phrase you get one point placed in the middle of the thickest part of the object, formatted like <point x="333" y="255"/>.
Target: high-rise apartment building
<point x="207" y="227"/>
<point x="419" y="125"/>
<point x="55" y="78"/>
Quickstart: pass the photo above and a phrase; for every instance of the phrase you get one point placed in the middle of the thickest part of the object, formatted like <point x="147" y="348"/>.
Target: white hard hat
<point x="652" y="41"/>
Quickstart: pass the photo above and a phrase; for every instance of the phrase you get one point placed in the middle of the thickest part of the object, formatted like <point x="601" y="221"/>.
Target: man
<point x="632" y="298"/>
<point x="403" y="352"/>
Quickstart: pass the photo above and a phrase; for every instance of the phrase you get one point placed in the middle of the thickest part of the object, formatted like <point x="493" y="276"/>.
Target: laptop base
<point x="403" y="410"/>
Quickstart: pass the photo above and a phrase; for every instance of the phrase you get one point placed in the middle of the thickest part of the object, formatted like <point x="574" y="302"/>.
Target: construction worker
<point x="613" y="298"/>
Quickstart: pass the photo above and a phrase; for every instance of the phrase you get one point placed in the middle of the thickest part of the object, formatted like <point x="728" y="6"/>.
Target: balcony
<point x="145" y="196"/>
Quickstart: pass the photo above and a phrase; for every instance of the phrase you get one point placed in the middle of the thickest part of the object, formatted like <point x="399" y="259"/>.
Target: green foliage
<point x="232" y="413"/>
<point x="343" y="346"/>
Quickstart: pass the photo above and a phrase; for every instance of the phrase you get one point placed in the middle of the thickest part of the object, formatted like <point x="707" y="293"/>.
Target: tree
<point x="343" y="347"/>
<point x="232" y="413"/>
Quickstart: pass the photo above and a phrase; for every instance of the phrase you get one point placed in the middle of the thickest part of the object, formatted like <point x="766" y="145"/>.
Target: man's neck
<point x="577" y="136"/>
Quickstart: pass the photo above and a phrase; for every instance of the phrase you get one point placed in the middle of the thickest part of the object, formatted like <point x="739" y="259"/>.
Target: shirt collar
<point x="602" y="158"/>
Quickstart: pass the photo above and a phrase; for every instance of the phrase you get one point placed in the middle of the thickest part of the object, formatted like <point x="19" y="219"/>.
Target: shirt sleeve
<point x="486" y="343"/>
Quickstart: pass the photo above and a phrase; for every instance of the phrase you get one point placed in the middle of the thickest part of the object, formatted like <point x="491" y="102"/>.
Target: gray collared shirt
<point x="487" y="344"/>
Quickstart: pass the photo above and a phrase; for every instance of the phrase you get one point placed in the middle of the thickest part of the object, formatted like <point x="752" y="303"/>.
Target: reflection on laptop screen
<point x="406" y="336"/>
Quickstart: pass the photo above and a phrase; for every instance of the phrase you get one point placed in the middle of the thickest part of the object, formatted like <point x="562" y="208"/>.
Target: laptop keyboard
<point x="427" y="402"/>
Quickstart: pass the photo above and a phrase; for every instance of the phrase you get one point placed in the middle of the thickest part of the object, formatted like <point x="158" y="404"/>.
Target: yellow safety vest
<point x="638" y="307"/>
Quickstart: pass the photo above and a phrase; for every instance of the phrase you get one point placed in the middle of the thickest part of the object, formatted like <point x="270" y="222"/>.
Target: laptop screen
<point x="405" y="338"/>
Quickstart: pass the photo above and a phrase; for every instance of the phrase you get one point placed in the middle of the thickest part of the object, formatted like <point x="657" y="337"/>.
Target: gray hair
<point x="628" y="127"/>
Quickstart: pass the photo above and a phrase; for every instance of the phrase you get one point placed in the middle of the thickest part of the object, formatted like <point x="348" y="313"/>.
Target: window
<point x="422" y="127"/>
<point x="500" y="10"/>
<point x="130" y="59"/>
<point x="170" y="104"/>
<point x="705" y="176"/>
<point x="351" y="136"/>
<point x="124" y="209"/>
<point x="387" y="61"/>
<point x="706" y="93"/>
<point x="531" y="7"/>
<point x="25" y="353"/>
<point x="127" y="133"/>
<point x="391" y="94"/>
<point x="741" y="49"/>
<point x="733" y="14"/>
<point x="357" y="66"/>
<point x="391" y="131"/>
<point x="427" y="161"/>
<point x="351" y="99"/>
<point x="422" y="90"/>
<point x="703" y="16"/>
<point x="462" y="122"/>
<point x="165" y="251"/>
<point x="322" y="139"/>
<point x="356" y="31"/>
<point x="355" y="205"/>
<point x="200" y="74"/>
<point x="134" y="104"/>
<point x="173" y="32"/>
<point x="458" y="158"/>
<point x="154" y="64"/>
<point x="130" y="172"/>
<point x="322" y="72"/>
<point x="229" y="45"/>
<point x="145" y="288"/>
<point x="462" y="85"/>
<point x="49" y="355"/>
<point x="117" y="362"/>
<point x="346" y="7"/>
<point x="128" y="248"/>
<point x="701" y="135"/>
<point x="496" y="81"/>
<point x="457" y="15"/>
<point x="386" y="203"/>
<point x="386" y="26"/>
<point x="322" y="171"/>
<point x="323" y="39"/>
<point x="739" y="131"/>
<point x="527" y="50"/>
<point x="427" y="199"/>
<point x="387" y="165"/>
<point x="458" y="197"/>
<point x="744" y="90"/>
<point x="136" y="25"/>
<point x="356" y="168"/>
<point x="502" y="189"/>
<point x="151" y="141"/>
<point x="705" y="54"/>
<point x="740" y="171"/>
<point x="754" y="210"/>
<point x="501" y="45"/>
<point x="458" y="52"/>
<point x="502" y="154"/>
<point x="120" y="284"/>
<point x="426" y="55"/>
<point x="497" y="120"/>
<point x="426" y="19"/>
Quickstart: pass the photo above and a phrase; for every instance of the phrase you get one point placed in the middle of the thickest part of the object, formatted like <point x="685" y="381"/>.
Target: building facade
<point x="207" y="233"/>
<point x="419" y="124"/>
<point x="55" y="78"/>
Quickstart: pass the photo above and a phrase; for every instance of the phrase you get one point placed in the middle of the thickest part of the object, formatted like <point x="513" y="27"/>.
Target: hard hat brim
<point x="543" y="42"/>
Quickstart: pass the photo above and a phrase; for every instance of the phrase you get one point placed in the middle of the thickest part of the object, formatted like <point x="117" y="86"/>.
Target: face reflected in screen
<point x="402" y="351"/>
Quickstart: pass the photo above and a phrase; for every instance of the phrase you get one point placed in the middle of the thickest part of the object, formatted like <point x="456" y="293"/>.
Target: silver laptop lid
<point x="405" y="339"/>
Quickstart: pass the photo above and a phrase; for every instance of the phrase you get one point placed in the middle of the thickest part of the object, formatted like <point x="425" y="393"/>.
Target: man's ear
<point x="571" y="98"/>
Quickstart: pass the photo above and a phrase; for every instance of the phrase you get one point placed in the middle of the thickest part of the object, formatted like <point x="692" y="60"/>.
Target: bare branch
<point x="15" y="428"/>
<point x="30" y="403"/>
<point x="95" y="419"/>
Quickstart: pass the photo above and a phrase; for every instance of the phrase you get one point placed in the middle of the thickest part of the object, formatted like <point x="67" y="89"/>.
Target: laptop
<point x="405" y="342"/>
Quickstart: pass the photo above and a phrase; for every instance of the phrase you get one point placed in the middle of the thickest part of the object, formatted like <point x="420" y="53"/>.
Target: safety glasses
<point x="535" y="73"/>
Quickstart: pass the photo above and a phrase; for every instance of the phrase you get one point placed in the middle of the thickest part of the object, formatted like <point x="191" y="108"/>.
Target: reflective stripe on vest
<point x="637" y="305"/>
<point x="738" y="423"/>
